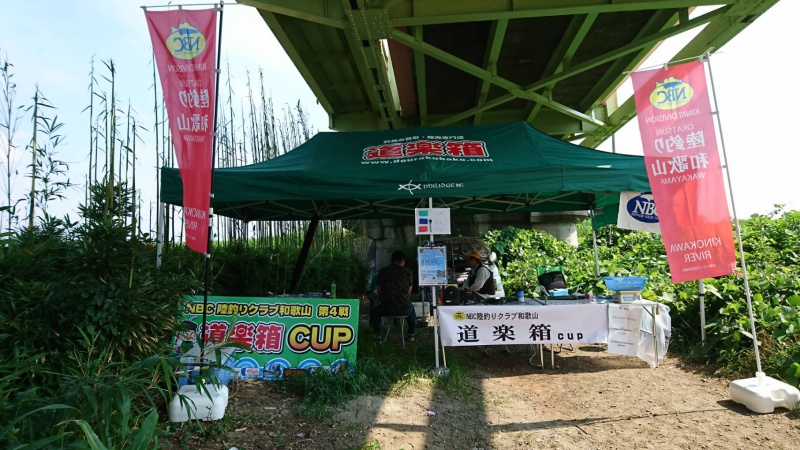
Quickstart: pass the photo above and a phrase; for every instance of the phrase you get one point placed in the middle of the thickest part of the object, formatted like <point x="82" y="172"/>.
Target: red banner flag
<point x="683" y="166"/>
<point x="184" y="42"/>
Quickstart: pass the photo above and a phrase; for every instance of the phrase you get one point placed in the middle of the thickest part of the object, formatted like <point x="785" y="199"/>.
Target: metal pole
<point x="735" y="219"/>
<point x="594" y="246"/>
<point x="159" y="232"/>
<point x="701" y="293"/>
<point x="207" y="276"/>
<point x="655" y="336"/>
<point x="433" y="302"/>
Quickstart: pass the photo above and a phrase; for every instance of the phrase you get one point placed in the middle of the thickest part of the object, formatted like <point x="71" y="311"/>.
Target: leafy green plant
<point x="771" y="246"/>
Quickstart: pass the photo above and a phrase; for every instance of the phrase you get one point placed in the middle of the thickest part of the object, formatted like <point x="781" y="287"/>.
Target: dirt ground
<point x="590" y="400"/>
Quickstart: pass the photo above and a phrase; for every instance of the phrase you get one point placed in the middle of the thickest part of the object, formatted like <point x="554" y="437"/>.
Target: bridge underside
<point x="380" y="64"/>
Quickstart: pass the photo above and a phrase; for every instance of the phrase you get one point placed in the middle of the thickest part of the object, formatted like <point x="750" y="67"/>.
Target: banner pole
<point x="701" y="294"/>
<point x="207" y="274"/>
<point x="707" y="60"/>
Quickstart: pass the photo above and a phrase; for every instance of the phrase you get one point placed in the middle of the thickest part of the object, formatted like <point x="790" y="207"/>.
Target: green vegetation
<point x="771" y="244"/>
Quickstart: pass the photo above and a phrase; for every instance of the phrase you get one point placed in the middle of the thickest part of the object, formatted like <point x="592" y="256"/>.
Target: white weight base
<point x="200" y="406"/>
<point x="763" y="394"/>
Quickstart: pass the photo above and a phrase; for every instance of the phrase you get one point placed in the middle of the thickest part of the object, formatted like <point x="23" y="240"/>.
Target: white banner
<point x="637" y="211"/>
<point x="523" y="324"/>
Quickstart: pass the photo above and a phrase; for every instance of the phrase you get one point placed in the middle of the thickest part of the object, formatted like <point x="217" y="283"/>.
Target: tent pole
<point x="655" y="335"/>
<point x="433" y="304"/>
<point x="707" y="60"/>
<point x="594" y="246"/>
<point x="159" y="232"/>
<point x="701" y="293"/>
<point x="301" y="258"/>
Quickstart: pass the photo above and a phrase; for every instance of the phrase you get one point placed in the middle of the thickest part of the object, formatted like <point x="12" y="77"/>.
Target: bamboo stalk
<point x="33" y="154"/>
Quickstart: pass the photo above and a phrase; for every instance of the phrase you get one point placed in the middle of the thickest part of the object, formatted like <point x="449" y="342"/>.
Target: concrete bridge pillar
<point x="390" y="235"/>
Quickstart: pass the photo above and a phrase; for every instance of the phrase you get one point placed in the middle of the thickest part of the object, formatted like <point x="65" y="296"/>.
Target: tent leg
<point x="436" y="335"/>
<point x="594" y="245"/>
<point x="301" y="258"/>
<point x="159" y="232"/>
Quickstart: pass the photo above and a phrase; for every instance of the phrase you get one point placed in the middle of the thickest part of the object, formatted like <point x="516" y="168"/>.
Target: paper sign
<point x="622" y="342"/>
<point x="432" y="220"/>
<point x="624" y="317"/>
<point x="432" y="266"/>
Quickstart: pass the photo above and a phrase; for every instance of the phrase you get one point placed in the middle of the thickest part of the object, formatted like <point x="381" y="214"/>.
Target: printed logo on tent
<point x="185" y="41"/>
<point x="459" y="316"/>
<point x="643" y="208"/>
<point x="672" y="93"/>
<point x="410" y="187"/>
<point x="429" y="147"/>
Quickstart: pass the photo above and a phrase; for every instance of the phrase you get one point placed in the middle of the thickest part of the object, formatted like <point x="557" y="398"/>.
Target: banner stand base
<point x="439" y="372"/>
<point x="763" y="394"/>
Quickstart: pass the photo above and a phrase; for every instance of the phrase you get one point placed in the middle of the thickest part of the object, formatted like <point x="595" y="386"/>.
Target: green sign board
<point x="281" y="333"/>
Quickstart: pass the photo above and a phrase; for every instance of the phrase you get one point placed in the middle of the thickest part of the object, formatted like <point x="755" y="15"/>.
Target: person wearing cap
<point x="480" y="283"/>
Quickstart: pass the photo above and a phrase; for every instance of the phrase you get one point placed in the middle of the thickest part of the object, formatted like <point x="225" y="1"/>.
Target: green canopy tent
<point x="386" y="174"/>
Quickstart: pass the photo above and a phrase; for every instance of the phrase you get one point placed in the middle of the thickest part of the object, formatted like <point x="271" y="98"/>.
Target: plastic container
<point x="558" y="292"/>
<point x="625" y="283"/>
<point x="199" y="404"/>
<point x="521" y="295"/>
<point x="763" y="394"/>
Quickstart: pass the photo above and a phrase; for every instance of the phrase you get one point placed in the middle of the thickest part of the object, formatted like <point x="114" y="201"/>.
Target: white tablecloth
<point x="523" y="324"/>
<point x="632" y="330"/>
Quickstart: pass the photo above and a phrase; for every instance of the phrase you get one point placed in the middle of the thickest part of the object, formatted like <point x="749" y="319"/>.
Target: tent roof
<point x="385" y="174"/>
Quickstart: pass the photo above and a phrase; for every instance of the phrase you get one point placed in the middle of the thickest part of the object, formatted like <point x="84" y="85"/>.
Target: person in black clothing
<point x="480" y="283"/>
<point x="394" y="288"/>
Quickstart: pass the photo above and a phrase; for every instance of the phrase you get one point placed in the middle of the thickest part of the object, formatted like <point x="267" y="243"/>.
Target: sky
<point x="51" y="43"/>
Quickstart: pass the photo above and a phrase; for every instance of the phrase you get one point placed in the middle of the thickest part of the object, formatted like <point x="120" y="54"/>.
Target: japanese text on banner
<point x="184" y="43"/>
<point x="684" y="169"/>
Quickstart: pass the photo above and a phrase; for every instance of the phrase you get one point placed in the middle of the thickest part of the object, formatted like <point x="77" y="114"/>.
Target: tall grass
<point x="381" y="369"/>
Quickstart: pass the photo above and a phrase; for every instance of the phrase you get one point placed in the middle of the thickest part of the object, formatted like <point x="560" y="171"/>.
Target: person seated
<point x="394" y="285"/>
<point x="479" y="285"/>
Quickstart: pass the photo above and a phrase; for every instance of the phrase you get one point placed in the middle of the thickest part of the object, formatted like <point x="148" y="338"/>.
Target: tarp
<point x="384" y="174"/>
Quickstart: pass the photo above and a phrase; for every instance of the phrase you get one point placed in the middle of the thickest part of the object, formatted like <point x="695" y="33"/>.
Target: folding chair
<point x="389" y="321"/>
<point x="549" y="278"/>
